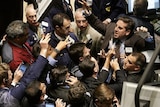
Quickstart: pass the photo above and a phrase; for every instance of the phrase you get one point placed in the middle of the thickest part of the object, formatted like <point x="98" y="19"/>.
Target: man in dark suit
<point x="119" y="35"/>
<point x="61" y="24"/>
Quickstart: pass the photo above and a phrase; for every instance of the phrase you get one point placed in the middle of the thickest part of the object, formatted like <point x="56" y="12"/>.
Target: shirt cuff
<point x="51" y="60"/>
<point x="106" y="69"/>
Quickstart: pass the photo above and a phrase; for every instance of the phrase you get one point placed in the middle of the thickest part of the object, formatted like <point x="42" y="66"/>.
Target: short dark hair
<point x="140" y="59"/>
<point x="140" y="7"/>
<point x="87" y="67"/>
<point x="57" y="75"/>
<point x="76" y="51"/>
<point x="58" y="19"/>
<point x="33" y="93"/>
<point x="76" y="94"/>
<point x="130" y="23"/>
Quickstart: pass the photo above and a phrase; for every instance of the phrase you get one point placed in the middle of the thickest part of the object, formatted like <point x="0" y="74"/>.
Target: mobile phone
<point x="23" y="67"/>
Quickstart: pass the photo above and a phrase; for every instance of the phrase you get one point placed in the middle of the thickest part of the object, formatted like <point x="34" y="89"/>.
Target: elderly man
<point x="85" y="32"/>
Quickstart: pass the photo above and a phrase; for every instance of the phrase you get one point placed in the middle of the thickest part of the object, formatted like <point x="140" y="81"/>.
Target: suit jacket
<point x="63" y="57"/>
<point x="134" y="41"/>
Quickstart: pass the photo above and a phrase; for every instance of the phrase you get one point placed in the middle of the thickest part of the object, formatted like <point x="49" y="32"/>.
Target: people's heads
<point x="5" y="74"/>
<point x="78" y="51"/>
<point x="81" y="21"/>
<point x="134" y="62"/>
<point x="31" y="15"/>
<point x="35" y="92"/>
<point x="140" y="7"/>
<point x="103" y="96"/>
<point x="124" y="27"/>
<point x="59" y="75"/>
<point x="61" y="24"/>
<point x="17" y="32"/>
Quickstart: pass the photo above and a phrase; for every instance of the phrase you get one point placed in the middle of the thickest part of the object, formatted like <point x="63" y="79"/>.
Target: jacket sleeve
<point x="97" y="24"/>
<point x="31" y="74"/>
<point x="120" y="78"/>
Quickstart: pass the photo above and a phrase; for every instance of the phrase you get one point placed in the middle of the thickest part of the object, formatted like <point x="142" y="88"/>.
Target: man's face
<point x="120" y="30"/>
<point x="129" y="63"/>
<point x="65" y="29"/>
<point x="31" y="16"/>
<point x="81" y="22"/>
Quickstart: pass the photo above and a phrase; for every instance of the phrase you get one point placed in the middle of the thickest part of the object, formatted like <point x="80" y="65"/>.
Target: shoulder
<point x="7" y="52"/>
<point x="93" y="32"/>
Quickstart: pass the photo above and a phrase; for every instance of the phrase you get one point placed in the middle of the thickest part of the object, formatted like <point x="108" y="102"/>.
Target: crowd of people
<point x="74" y="60"/>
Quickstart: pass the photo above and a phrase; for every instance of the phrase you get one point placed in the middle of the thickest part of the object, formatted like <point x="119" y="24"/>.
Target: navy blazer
<point x="63" y="57"/>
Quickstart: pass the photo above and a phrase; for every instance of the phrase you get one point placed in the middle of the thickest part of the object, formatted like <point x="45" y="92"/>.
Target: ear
<point x="57" y="27"/>
<point x="42" y="98"/>
<point x="128" y="32"/>
<point x="5" y="81"/>
<point x="137" y="68"/>
<point x="81" y="59"/>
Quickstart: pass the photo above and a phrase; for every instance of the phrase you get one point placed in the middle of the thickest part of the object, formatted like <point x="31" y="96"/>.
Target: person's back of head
<point x="87" y="67"/>
<point x="33" y="93"/>
<point x="4" y="73"/>
<point x="17" y="31"/>
<point x="103" y="96"/>
<point x="76" y="51"/>
<point x="58" y="76"/>
<point x="140" y="7"/>
<point x="77" y="95"/>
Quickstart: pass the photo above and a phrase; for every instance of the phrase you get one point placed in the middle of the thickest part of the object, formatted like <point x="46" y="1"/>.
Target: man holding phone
<point x="10" y="96"/>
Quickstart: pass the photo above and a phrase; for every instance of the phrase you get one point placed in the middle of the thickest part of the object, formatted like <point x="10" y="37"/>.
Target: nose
<point x="81" y="23"/>
<point x="116" y="28"/>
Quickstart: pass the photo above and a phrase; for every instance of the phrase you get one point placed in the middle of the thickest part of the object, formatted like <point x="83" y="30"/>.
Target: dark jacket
<point x="106" y="8"/>
<point x="140" y="21"/>
<point x="63" y="57"/>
